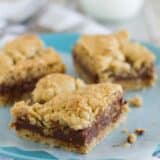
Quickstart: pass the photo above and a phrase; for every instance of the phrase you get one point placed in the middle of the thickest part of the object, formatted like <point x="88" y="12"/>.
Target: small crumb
<point x="136" y="101"/>
<point x="125" y="131"/>
<point x="132" y="138"/>
<point x="139" y="131"/>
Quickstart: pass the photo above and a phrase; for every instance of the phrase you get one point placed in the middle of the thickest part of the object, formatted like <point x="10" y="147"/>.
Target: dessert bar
<point x="114" y="58"/>
<point x="75" y="119"/>
<point x="23" y="62"/>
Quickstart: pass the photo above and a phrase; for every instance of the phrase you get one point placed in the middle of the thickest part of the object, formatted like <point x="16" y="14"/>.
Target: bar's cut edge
<point x="127" y="85"/>
<point x="68" y="146"/>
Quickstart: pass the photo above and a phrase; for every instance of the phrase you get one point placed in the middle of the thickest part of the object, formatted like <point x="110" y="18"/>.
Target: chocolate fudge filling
<point x="18" y="89"/>
<point x="80" y="137"/>
<point x="144" y="74"/>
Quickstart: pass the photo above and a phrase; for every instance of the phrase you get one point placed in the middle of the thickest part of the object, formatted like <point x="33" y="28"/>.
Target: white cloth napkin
<point x="56" y="17"/>
<point x="13" y="13"/>
<point x="60" y="19"/>
<point x="19" y="10"/>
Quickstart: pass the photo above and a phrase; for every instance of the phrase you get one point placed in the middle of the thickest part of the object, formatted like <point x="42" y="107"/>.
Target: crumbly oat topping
<point x="5" y="63"/>
<point x="76" y="109"/>
<point x="132" y="138"/>
<point x="136" y="101"/>
<point x="26" y="58"/>
<point x="122" y="37"/>
<point x="54" y="84"/>
<point x="112" y="53"/>
<point x="22" y="47"/>
<point x="138" y="55"/>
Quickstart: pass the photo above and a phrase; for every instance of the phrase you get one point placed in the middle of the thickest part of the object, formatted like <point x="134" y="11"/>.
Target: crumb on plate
<point x="132" y="138"/>
<point x="136" y="101"/>
<point x="139" y="131"/>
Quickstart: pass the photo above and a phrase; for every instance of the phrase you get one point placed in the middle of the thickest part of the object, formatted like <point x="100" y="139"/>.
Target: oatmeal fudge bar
<point x="23" y="62"/>
<point x="75" y="121"/>
<point x="101" y="58"/>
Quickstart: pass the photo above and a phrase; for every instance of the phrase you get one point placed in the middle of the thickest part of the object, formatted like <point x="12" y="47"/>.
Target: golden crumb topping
<point x="5" y="63"/>
<point x="26" y="58"/>
<point x="99" y="44"/>
<point x="138" y="55"/>
<point x="54" y="84"/>
<point x="22" y="47"/>
<point x="76" y="109"/>
<point x="122" y="37"/>
<point x="114" y="53"/>
<point x="46" y="62"/>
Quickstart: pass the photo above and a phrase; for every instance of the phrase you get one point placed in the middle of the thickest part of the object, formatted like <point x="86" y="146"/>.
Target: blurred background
<point x="140" y="17"/>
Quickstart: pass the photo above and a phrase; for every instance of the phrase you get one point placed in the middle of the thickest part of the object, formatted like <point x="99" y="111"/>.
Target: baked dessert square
<point x="114" y="58"/>
<point x="23" y="62"/>
<point x="74" y="119"/>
